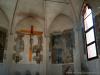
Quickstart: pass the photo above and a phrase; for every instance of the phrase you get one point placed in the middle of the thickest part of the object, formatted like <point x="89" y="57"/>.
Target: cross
<point x="30" y="32"/>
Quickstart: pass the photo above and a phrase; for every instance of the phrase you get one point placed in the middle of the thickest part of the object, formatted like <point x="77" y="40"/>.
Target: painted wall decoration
<point x="68" y="69"/>
<point x="28" y="46"/>
<point x="68" y="39"/>
<point x="61" y="47"/>
<point x="56" y="49"/>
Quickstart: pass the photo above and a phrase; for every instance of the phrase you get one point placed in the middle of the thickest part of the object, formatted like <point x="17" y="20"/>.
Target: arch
<point x="61" y="23"/>
<point x="26" y="22"/>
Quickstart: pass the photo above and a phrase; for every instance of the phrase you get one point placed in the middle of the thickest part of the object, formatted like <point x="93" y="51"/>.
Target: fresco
<point x="68" y="69"/>
<point x="28" y="47"/>
<point x="68" y="39"/>
<point x="61" y="46"/>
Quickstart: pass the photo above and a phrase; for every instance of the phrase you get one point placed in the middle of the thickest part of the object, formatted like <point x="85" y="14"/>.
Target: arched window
<point x="89" y="32"/>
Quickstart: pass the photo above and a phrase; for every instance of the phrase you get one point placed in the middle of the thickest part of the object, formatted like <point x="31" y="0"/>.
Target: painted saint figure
<point x="19" y="47"/>
<point x="19" y="43"/>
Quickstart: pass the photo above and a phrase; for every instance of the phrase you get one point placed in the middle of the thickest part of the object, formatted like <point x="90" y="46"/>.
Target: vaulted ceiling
<point x="45" y="10"/>
<point x="37" y="7"/>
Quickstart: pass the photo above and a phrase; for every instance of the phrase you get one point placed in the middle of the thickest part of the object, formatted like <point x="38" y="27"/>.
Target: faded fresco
<point x="68" y="69"/>
<point x="61" y="46"/>
<point x="68" y="39"/>
<point x="28" y="47"/>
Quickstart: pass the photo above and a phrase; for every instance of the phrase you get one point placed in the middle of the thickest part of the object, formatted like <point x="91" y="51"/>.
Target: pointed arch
<point x="61" y="23"/>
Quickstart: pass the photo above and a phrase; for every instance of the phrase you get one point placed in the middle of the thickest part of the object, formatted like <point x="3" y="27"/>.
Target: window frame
<point x="89" y="29"/>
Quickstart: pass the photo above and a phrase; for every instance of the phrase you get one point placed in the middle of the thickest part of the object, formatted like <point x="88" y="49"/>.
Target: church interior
<point x="49" y="37"/>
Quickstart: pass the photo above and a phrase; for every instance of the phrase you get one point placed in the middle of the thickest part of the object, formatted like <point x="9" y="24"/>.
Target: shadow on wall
<point x="26" y="69"/>
<point x="21" y="69"/>
<point x="54" y="69"/>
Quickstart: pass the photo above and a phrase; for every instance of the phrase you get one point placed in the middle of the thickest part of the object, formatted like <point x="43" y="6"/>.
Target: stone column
<point x="76" y="51"/>
<point x="10" y="48"/>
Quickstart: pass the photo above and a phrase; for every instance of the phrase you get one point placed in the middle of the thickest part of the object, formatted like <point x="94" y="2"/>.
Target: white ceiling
<point x="29" y="7"/>
<point x="8" y="7"/>
<point x="53" y="7"/>
<point x="45" y="9"/>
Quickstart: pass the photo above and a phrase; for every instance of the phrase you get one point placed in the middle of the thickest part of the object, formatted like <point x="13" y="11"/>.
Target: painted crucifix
<point x="31" y="32"/>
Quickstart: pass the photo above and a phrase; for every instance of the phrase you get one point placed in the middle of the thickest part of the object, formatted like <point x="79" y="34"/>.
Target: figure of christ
<point x="28" y="52"/>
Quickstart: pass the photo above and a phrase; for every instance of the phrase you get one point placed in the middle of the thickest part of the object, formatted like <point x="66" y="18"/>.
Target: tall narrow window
<point x="89" y="33"/>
